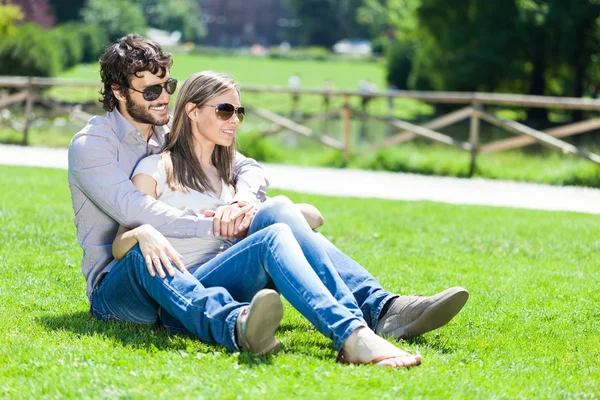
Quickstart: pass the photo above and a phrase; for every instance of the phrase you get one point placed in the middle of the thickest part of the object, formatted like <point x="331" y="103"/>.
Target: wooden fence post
<point x="474" y="138"/>
<point x="346" y="115"/>
<point x="28" y="109"/>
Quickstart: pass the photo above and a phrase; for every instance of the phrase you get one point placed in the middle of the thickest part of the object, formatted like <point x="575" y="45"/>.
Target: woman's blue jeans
<point x="331" y="290"/>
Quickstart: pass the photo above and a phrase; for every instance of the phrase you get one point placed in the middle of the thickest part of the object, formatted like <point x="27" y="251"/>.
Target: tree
<point x="474" y="43"/>
<point x="320" y="25"/>
<point x="118" y="17"/>
<point x="394" y="25"/>
<point x="527" y="46"/>
<point x="560" y="34"/>
<point x="347" y="15"/>
<point x="10" y="15"/>
<point x="36" y="11"/>
<point x="67" y="10"/>
<point x="175" y="15"/>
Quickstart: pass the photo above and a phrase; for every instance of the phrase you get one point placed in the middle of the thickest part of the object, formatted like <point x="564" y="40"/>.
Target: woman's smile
<point x="228" y="132"/>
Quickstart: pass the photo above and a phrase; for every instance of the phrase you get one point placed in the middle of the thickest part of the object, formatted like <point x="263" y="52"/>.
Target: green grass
<point x="544" y="166"/>
<point x="530" y="329"/>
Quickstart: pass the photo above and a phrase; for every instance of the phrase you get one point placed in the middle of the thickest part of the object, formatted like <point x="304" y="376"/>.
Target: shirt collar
<point x="122" y="127"/>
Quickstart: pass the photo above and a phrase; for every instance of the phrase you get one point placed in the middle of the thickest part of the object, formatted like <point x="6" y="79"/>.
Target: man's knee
<point x="134" y="255"/>
<point x="134" y="260"/>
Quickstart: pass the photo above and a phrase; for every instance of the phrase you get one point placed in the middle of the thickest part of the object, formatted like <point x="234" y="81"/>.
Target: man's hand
<point x="158" y="252"/>
<point x="232" y="220"/>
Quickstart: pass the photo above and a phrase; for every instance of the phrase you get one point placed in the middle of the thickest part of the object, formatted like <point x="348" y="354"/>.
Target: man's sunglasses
<point x="225" y="111"/>
<point x="153" y="92"/>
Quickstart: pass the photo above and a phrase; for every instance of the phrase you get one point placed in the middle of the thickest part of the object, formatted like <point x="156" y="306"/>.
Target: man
<point x="136" y="91"/>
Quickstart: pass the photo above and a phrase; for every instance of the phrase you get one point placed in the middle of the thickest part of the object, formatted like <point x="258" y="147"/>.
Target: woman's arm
<point x="126" y="238"/>
<point x="124" y="241"/>
<point x="150" y="240"/>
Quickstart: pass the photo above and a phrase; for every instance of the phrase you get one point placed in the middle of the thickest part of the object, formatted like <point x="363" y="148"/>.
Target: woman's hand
<point x="232" y="221"/>
<point x="157" y="251"/>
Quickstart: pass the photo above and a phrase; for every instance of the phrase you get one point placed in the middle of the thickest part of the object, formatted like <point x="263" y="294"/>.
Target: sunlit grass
<point x="529" y="330"/>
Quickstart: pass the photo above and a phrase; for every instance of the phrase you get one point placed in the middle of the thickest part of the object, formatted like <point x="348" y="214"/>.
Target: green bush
<point x="428" y="160"/>
<point x="69" y="44"/>
<point x="94" y="39"/>
<point x="252" y="145"/>
<point x="29" y="52"/>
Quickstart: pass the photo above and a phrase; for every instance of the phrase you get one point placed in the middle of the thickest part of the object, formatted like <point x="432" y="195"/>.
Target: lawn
<point x="529" y="330"/>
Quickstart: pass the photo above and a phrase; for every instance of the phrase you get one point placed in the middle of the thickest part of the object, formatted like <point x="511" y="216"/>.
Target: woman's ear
<point x="192" y="111"/>
<point x="117" y="92"/>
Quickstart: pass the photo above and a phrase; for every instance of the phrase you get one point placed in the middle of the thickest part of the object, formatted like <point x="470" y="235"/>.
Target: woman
<point x="280" y="249"/>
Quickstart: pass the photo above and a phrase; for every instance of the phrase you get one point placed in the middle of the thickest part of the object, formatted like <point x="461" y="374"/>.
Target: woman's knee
<point x="277" y="209"/>
<point x="278" y="205"/>
<point x="278" y="232"/>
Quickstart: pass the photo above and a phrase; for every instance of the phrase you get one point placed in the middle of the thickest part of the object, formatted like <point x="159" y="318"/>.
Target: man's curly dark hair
<point x="126" y="57"/>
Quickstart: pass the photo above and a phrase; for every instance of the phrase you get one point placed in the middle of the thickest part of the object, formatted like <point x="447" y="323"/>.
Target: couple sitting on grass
<point x="176" y="229"/>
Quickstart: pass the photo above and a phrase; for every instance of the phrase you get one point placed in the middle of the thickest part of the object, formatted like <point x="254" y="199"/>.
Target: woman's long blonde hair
<point x="181" y="164"/>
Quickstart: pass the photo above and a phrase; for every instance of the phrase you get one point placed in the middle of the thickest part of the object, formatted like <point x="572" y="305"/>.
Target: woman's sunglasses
<point x="225" y="111"/>
<point x="153" y="92"/>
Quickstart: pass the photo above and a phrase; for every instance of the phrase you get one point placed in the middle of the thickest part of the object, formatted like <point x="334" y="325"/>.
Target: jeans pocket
<point x="107" y="317"/>
<point x="100" y="314"/>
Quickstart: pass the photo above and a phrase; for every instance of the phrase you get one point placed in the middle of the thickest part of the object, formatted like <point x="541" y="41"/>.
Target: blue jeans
<point x="331" y="290"/>
<point x="129" y="293"/>
<point x="366" y="290"/>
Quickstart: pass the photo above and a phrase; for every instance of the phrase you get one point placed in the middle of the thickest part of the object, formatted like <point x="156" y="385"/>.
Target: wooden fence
<point x="475" y="103"/>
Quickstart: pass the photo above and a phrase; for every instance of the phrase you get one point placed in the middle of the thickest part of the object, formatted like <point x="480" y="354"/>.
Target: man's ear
<point x="192" y="111"/>
<point x="117" y="92"/>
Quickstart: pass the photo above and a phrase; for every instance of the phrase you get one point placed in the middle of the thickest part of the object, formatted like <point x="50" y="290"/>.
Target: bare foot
<point x="365" y="347"/>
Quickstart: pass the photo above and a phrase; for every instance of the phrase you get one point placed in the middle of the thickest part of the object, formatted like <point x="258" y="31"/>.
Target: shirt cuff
<point x="247" y="197"/>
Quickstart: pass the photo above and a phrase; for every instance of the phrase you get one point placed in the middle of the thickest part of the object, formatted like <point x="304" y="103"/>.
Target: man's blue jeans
<point x="332" y="291"/>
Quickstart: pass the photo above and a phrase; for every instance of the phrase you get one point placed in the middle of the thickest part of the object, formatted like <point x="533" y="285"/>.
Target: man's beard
<point x="141" y="114"/>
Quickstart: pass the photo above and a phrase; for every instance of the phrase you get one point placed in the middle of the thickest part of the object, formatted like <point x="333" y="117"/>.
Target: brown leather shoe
<point x="410" y="316"/>
<point x="256" y="323"/>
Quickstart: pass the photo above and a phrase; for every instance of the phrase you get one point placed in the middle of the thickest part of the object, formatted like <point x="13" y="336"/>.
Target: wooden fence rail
<point x="474" y="110"/>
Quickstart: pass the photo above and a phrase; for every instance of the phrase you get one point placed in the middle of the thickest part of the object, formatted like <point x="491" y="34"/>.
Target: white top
<point x="198" y="250"/>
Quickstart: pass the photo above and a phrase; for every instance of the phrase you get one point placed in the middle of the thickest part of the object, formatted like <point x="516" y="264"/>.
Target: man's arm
<point x="93" y="168"/>
<point x="250" y="181"/>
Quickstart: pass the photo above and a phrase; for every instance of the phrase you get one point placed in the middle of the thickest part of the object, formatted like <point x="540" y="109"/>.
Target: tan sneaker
<point x="256" y="323"/>
<point x="410" y="316"/>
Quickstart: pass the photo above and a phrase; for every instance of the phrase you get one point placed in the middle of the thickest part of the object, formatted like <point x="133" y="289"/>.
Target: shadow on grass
<point x="298" y="339"/>
<point x="127" y="333"/>
<point x="138" y="336"/>
<point x="439" y="346"/>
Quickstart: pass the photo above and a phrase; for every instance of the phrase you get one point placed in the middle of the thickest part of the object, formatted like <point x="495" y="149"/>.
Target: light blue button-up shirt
<point x="102" y="157"/>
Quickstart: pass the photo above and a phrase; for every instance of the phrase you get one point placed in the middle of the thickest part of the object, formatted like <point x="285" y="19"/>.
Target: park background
<point x="531" y="328"/>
